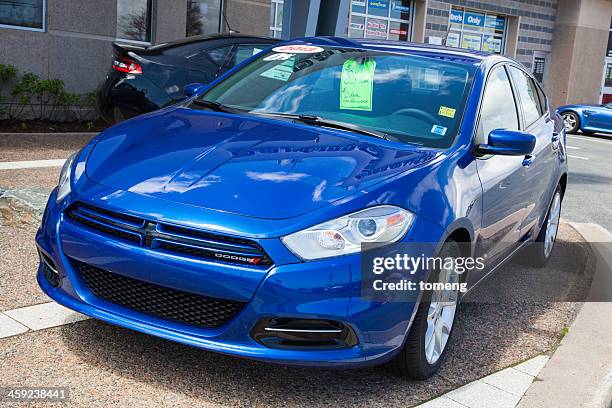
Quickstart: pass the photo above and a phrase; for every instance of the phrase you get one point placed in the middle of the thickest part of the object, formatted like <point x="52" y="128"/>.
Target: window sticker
<point x="446" y="111"/>
<point x="357" y="84"/>
<point x="452" y="40"/>
<point x="278" y="57"/>
<point x="298" y="49"/>
<point x="256" y="51"/>
<point x="438" y="130"/>
<point x="282" y="71"/>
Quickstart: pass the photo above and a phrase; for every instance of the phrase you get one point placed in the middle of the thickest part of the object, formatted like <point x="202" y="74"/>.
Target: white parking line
<point x="589" y="139"/>
<point x="39" y="317"/>
<point x="578" y="157"/>
<point x="504" y="388"/>
<point x="31" y="164"/>
<point x="573" y="147"/>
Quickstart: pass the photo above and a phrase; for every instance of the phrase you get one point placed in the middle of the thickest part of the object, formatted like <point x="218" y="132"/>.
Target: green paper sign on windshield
<point x="357" y="84"/>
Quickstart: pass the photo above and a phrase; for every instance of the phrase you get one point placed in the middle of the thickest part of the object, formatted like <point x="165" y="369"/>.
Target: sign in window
<point x="381" y="19"/>
<point x="475" y="30"/>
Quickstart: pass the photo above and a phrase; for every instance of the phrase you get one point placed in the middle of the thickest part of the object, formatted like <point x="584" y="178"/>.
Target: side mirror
<point x="508" y="143"/>
<point x="192" y="89"/>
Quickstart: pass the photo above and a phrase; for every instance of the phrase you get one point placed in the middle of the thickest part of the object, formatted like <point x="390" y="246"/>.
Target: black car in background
<point x="145" y="79"/>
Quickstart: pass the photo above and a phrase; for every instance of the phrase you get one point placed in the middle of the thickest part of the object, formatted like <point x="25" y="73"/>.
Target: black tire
<point x="572" y="118"/>
<point x="536" y="253"/>
<point x="411" y="361"/>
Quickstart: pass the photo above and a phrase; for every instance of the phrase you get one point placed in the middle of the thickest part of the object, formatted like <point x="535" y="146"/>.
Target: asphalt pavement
<point x="589" y="192"/>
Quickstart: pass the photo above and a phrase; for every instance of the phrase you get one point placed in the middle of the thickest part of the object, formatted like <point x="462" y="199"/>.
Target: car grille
<point x="166" y="303"/>
<point x="170" y="238"/>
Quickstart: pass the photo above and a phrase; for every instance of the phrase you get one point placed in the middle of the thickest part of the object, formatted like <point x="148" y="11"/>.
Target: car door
<point x="539" y="166"/>
<point x="505" y="196"/>
<point x="599" y="117"/>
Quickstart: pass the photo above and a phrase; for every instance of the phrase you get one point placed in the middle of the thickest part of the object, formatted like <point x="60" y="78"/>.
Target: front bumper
<point x="328" y="289"/>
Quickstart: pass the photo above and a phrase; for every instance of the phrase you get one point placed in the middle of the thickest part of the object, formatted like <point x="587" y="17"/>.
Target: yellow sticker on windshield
<point x="357" y="84"/>
<point x="446" y="111"/>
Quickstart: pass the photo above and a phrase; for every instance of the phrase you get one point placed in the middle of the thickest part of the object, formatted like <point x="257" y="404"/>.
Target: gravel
<point x="18" y="268"/>
<point x="44" y="177"/>
<point x="18" y="147"/>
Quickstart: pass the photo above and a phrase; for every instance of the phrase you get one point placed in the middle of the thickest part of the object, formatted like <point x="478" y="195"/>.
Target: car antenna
<point x="231" y="31"/>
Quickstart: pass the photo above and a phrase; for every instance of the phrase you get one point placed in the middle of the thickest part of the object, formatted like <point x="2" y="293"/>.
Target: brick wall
<point x="537" y="20"/>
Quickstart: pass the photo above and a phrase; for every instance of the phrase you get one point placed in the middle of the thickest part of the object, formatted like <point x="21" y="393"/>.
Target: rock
<point x="22" y="206"/>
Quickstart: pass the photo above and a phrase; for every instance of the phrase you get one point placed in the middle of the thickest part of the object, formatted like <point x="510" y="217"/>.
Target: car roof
<point x="428" y="50"/>
<point x="210" y="37"/>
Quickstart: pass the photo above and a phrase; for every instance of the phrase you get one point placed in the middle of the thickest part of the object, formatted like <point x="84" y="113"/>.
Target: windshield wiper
<point x="216" y="106"/>
<point x="314" y="120"/>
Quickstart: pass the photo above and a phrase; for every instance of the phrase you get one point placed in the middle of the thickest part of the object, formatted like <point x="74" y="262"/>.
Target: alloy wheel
<point x="569" y="121"/>
<point x="440" y="316"/>
<point x="552" y="224"/>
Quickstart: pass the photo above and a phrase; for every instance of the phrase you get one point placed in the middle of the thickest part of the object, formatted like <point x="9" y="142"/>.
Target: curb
<point x="579" y="373"/>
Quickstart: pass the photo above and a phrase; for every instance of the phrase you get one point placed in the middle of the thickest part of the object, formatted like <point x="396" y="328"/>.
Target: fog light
<point x="303" y="333"/>
<point x="49" y="270"/>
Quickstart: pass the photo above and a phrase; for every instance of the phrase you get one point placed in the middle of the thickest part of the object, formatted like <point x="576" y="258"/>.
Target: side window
<point x="246" y="51"/>
<point x="220" y="55"/>
<point x="543" y="101"/>
<point x="498" y="110"/>
<point x="525" y="88"/>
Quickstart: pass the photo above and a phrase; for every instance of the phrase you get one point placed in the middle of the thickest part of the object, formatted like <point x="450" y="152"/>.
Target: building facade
<point x="563" y="42"/>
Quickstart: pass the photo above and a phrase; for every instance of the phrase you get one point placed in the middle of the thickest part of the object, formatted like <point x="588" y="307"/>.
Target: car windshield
<point x="410" y="99"/>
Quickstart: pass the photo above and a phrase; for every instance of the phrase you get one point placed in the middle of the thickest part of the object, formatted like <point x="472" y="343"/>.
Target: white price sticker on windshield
<point x="278" y="57"/>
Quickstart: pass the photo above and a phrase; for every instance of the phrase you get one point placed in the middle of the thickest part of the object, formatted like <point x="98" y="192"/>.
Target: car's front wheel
<point x="571" y="121"/>
<point x="427" y="340"/>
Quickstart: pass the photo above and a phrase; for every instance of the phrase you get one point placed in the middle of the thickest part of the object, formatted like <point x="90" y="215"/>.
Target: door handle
<point x="528" y="160"/>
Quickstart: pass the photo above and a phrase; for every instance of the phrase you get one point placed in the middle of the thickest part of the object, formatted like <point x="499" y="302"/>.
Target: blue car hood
<point x="243" y="164"/>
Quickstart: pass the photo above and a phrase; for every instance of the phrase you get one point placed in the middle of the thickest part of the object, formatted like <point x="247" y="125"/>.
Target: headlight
<point x="63" y="187"/>
<point x="344" y="235"/>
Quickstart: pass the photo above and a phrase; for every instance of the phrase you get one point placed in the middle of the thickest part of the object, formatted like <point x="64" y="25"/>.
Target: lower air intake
<point x="166" y="303"/>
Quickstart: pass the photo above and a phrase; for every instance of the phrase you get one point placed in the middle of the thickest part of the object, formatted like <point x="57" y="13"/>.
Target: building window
<point x="474" y="30"/>
<point x="276" y="18"/>
<point x="382" y="19"/>
<point x="538" y="66"/>
<point x="23" y="14"/>
<point x="203" y="17"/>
<point x="134" y="20"/>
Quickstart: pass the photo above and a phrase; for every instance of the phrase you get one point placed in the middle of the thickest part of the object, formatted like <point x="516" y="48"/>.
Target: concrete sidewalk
<point x="579" y="373"/>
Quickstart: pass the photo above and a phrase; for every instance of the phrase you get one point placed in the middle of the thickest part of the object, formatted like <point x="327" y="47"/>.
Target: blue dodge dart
<point x="234" y="221"/>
